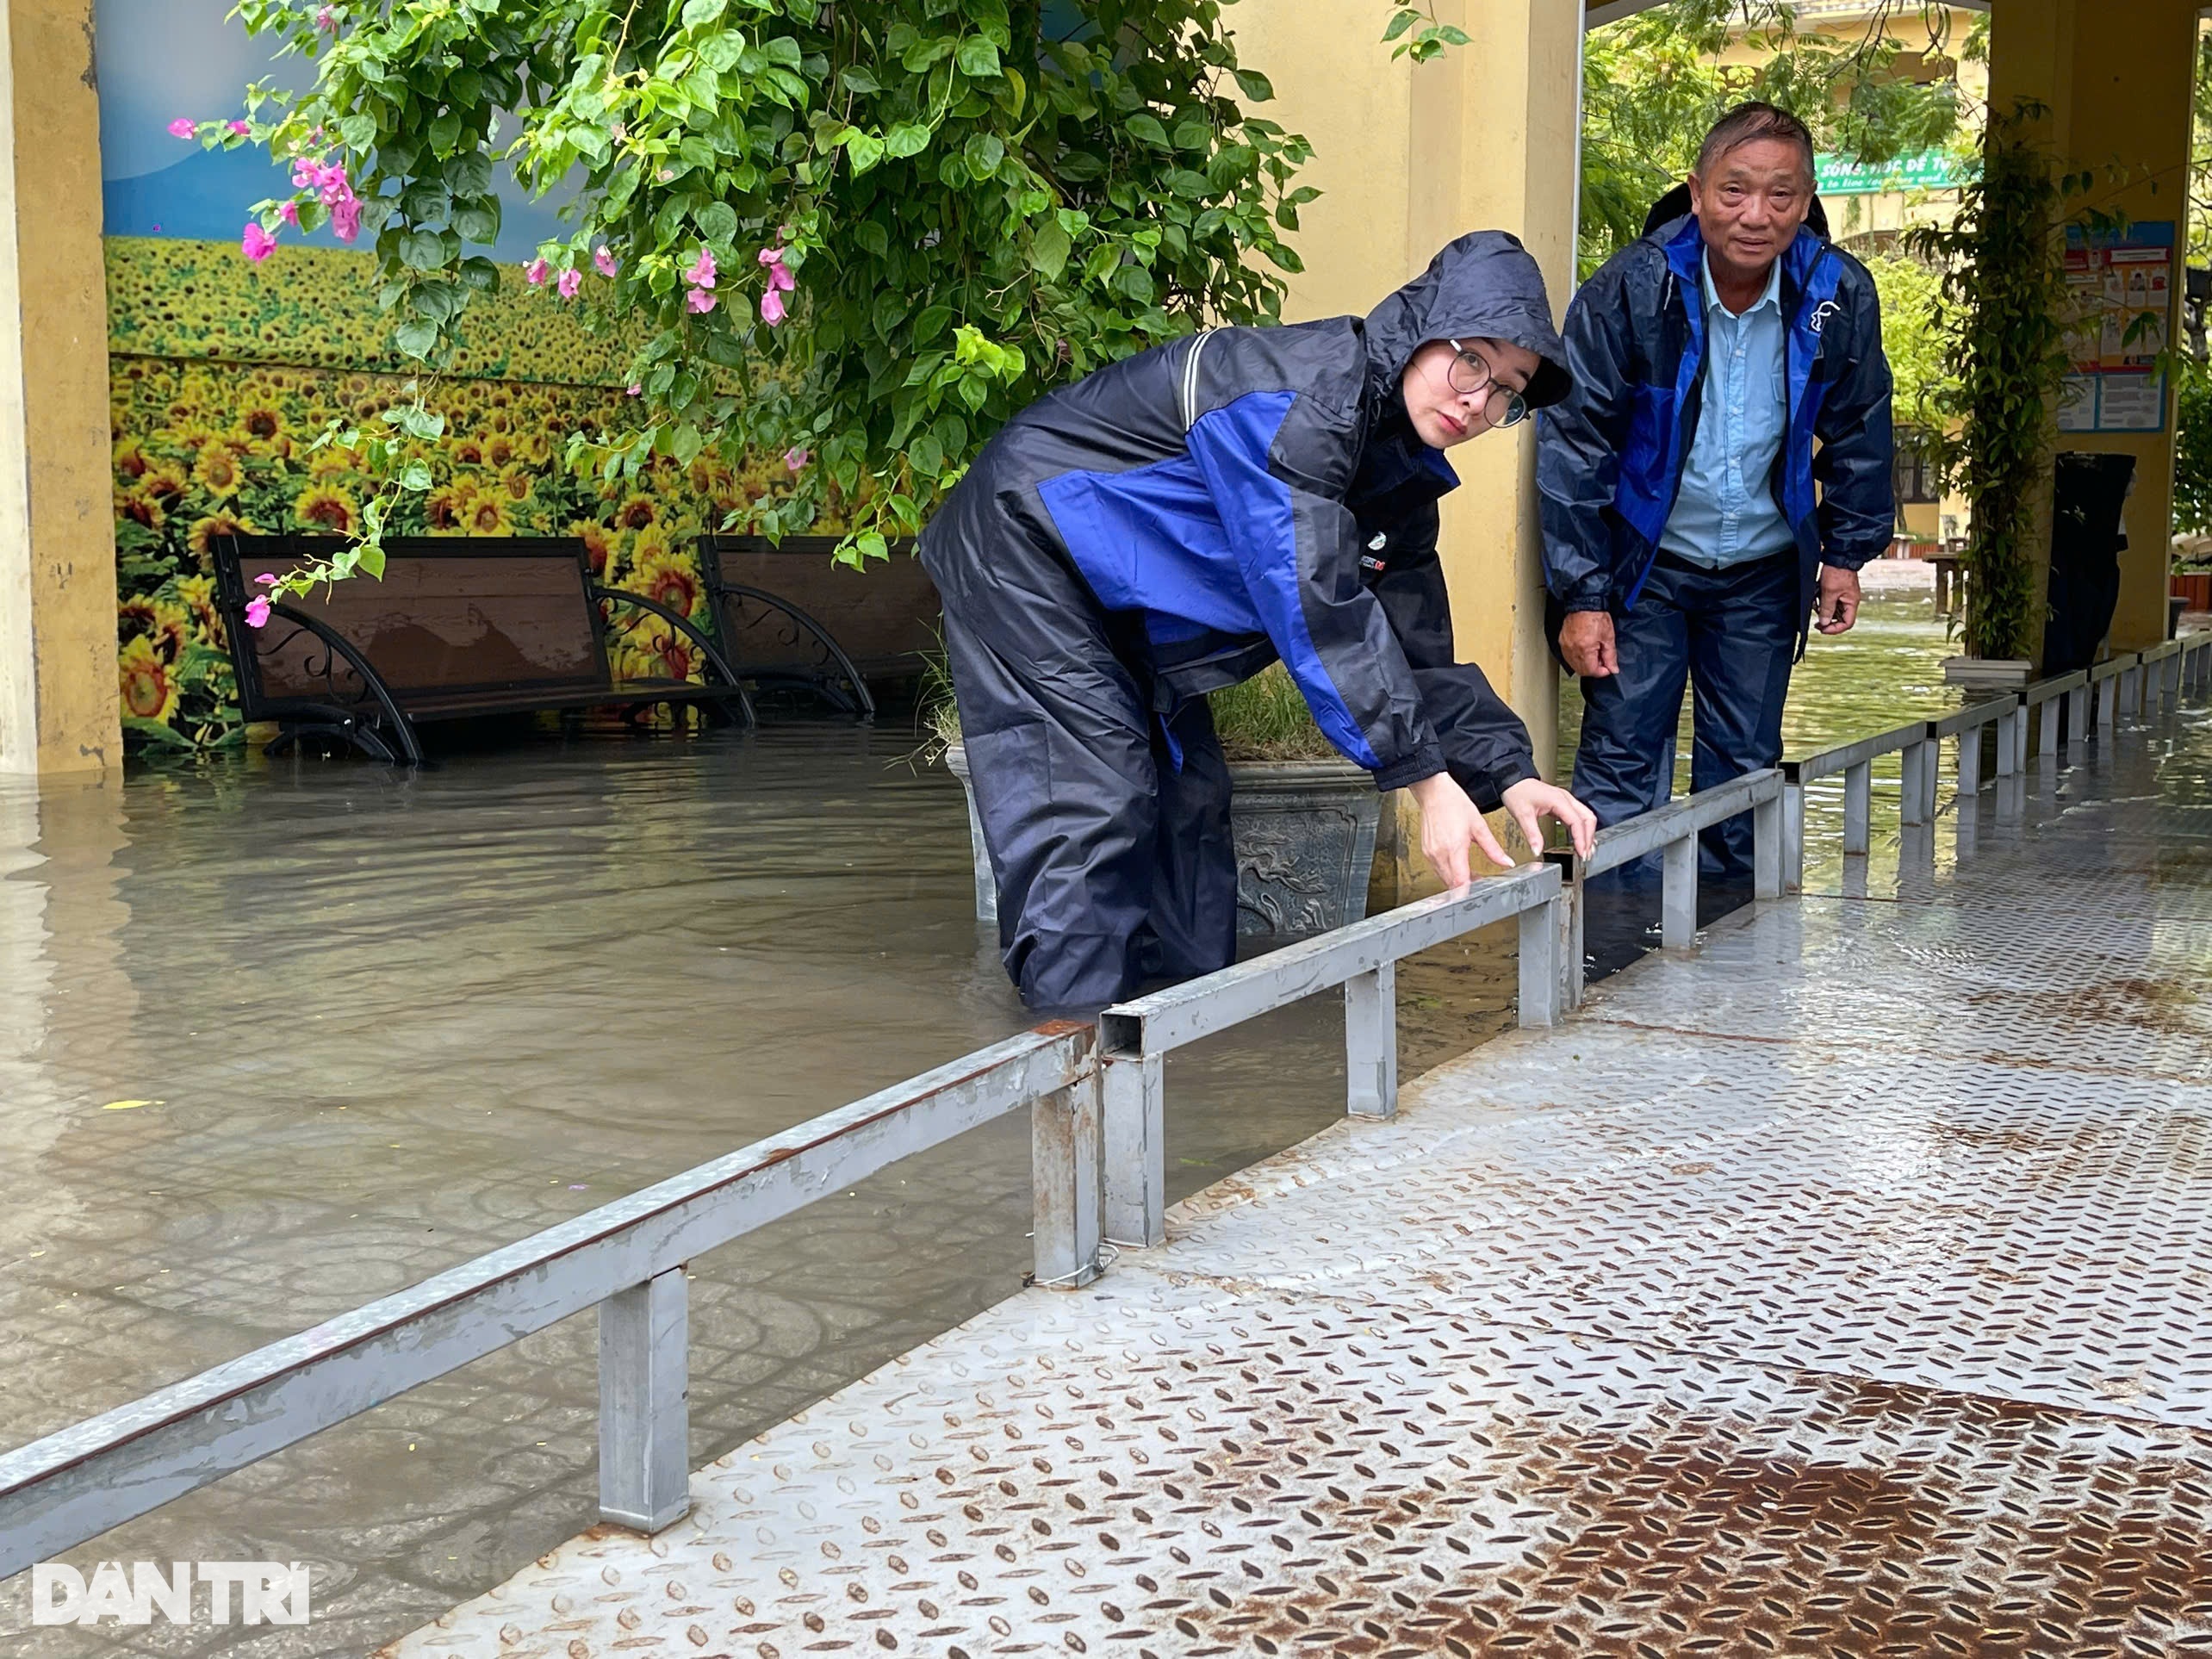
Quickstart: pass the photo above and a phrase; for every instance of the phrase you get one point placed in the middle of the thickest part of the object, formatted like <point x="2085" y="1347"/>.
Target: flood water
<point x="279" y="1038"/>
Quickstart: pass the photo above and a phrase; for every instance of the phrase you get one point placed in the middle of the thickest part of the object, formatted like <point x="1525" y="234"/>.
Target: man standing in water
<point x="1717" y="477"/>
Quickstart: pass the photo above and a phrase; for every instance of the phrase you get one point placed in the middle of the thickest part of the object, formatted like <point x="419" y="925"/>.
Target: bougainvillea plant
<point x="860" y="237"/>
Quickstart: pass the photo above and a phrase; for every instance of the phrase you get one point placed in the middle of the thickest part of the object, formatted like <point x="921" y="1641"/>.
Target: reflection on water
<point x="280" y="1038"/>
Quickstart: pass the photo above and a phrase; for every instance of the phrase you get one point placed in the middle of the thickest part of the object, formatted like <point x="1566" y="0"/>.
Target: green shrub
<point x="2192" y="455"/>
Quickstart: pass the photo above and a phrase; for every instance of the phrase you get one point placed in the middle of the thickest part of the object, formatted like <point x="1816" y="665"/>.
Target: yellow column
<point x="57" y="701"/>
<point x="2116" y="83"/>
<point x="1407" y="158"/>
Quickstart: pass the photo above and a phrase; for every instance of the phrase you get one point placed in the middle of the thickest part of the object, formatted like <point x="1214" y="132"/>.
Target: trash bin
<point x="2085" y="543"/>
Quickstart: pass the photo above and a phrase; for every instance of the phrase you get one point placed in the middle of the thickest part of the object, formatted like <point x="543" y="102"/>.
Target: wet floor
<point x="280" y="1038"/>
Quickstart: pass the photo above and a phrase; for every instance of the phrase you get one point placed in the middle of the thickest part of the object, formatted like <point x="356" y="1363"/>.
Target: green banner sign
<point x="1931" y="169"/>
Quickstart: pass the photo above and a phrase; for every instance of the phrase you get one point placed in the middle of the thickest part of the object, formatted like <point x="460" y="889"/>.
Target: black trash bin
<point x="2085" y="543"/>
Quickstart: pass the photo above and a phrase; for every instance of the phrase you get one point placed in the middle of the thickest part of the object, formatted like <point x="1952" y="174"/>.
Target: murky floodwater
<point x="280" y="1038"/>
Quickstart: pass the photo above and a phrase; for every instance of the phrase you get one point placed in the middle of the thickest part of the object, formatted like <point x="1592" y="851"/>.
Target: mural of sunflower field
<point x="221" y="380"/>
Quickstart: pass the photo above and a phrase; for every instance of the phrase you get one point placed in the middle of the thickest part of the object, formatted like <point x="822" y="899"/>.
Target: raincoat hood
<point x="1484" y="283"/>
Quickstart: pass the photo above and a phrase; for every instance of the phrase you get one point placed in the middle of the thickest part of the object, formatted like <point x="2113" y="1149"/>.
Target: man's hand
<point x="1839" y="600"/>
<point x="1531" y="799"/>
<point x="1585" y="643"/>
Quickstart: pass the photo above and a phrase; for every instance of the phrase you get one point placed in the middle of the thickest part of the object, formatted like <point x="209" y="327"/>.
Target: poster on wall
<point x="2122" y="304"/>
<point x="160" y="59"/>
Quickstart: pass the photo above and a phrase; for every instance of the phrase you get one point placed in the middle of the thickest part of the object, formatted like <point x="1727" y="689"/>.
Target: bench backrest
<point x="884" y="617"/>
<point x="449" y="617"/>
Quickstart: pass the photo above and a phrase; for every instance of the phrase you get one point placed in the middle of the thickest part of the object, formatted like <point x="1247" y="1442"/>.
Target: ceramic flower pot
<point x="1305" y="841"/>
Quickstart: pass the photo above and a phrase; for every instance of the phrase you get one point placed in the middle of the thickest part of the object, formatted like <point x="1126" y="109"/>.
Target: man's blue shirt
<point x="1726" y="513"/>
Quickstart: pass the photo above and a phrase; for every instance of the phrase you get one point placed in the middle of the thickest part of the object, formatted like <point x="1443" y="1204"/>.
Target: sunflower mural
<point x="224" y="374"/>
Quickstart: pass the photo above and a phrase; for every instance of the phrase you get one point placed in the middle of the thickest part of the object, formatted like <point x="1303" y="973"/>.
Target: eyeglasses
<point x="1469" y="373"/>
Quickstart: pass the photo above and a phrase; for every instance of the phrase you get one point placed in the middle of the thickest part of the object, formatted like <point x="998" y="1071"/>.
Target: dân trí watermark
<point x="267" y="1593"/>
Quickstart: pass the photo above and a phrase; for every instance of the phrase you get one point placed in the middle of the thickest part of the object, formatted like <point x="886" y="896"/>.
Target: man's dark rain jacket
<point x="1610" y="457"/>
<point x="1259" y="493"/>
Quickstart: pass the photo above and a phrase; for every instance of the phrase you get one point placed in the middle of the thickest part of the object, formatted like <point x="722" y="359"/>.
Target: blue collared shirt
<point x="1726" y="513"/>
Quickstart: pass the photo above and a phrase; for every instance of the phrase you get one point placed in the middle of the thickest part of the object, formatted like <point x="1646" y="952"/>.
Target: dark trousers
<point x="1113" y="864"/>
<point x="1732" y="636"/>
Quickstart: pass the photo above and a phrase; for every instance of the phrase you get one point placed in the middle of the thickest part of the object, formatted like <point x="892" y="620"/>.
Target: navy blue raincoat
<point x="1611" y="462"/>
<point x="1174" y="524"/>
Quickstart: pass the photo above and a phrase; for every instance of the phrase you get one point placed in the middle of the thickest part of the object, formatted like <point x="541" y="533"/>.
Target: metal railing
<point x="627" y="1259"/>
<point x="1097" y="1100"/>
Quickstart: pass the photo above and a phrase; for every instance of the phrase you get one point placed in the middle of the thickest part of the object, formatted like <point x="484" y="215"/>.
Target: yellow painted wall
<point x="58" y="708"/>
<point x="1407" y="157"/>
<point x="2116" y="79"/>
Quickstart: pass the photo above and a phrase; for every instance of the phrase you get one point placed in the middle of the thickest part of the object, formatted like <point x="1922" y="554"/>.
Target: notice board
<point x="2122" y="292"/>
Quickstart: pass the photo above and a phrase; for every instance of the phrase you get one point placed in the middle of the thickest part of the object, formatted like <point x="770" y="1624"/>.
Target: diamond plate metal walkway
<point x="1845" y="1289"/>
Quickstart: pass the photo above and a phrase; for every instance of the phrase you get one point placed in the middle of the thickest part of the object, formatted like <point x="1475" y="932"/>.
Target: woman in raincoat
<point x="1173" y="524"/>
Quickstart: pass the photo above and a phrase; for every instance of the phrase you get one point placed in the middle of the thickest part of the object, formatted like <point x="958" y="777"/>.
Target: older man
<point x="1716" y="477"/>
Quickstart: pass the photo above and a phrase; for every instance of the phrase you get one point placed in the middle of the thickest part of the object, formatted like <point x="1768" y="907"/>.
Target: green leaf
<point x="359" y="132"/>
<point x="872" y="238"/>
<point x="907" y="138"/>
<point x="1048" y="250"/>
<point x="697" y="14"/>
<point x="1256" y="86"/>
<point x="977" y="59"/>
<point x="416" y="475"/>
<point x="859" y="81"/>
<point x="417" y="337"/>
<point x="1147" y="127"/>
<point x="864" y="149"/>
<point x="445" y="133"/>
<point x="984" y="153"/>
<point x="717" y="222"/>
<point x="478" y="221"/>
<point x="1399" y="24"/>
<point x="372" y="559"/>
<point x="422" y="250"/>
<point x="931" y="323"/>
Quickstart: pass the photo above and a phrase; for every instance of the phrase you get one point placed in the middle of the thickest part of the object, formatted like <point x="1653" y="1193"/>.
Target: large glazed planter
<point x="1305" y="838"/>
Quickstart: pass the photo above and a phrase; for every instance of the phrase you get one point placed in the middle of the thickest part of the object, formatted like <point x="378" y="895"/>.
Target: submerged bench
<point x="458" y="627"/>
<point x="792" y="619"/>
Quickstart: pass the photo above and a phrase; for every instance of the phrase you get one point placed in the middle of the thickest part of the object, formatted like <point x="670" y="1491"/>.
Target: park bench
<point x="457" y="628"/>
<point x="791" y="619"/>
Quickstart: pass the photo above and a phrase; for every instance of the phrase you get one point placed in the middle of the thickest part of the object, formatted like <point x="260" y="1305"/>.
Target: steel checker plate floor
<point x="1841" y="1290"/>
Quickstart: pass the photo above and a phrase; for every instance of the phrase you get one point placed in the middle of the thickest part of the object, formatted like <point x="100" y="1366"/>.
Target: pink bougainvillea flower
<point x="779" y="273"/>
<point x="242" y="128"/>
<point x="257" y="243"/>
<point x="796" y="458"/>
<point x="606" y="261"/>
<point x="289" y="213"/>
<point x="702" y="272"/>
<point x="257" y="611"/>
<point x="183" y="127"/>
<point x="346" y="217"/>
<point x="571" y="280"/>
<point x="637" y="388"/>
<point x="266" y="578"/>
<point x="700" y="300"/>
<point x="537" y="272"/>
<point x="326" y="21"/>
<point x="772" y="307"/>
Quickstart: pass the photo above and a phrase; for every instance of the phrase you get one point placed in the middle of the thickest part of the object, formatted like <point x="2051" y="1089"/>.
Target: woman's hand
<point x="1450" y="823"/>
<point x="1533" y="799"/>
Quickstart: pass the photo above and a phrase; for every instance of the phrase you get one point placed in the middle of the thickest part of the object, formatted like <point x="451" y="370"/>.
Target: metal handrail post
<point x="1132" y="1096"/>
<point x="1858" y="809"/>
<point x="1767" y="832"/>
<point x="1540" y="929"/>
<point x="1912" y="788"/>
<point x="2172" y="685"/>
<point x="1570" y="912"/>
<point x="2131" y="689"/>
<point x="1064" y="1156"/>
<point x="1370" y="1038"/>
<point x="1678" y="902"/>
<point x="2108" y="704"/>
<point x="1793" y="827"/>
<point x="2005" y="753"/>
<point x="2078" y="717"/>
<point x="644" y="1421"/>
<point x="1969" y="764"/>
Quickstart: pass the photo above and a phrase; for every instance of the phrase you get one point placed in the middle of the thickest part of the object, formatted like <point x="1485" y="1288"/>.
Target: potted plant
<point x="1304" y="819"/>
